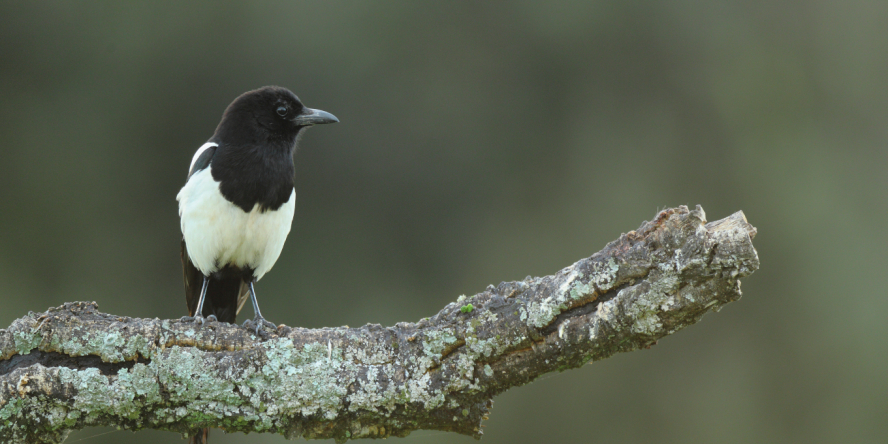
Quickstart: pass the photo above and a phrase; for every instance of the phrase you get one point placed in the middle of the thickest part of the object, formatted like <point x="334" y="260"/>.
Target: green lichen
<point x="484" y="347"/>
<point x="25" y="341"/>
<point x="540" y="314"/>
<point x="437" y="340"/>
<point x="299" y="381"/>
<point x="13" y="408"/>
<point x="467" y="308"/>
<point x="576" y="285"/>
<point x="284" y="382"/>
<point x="419" y="390"/>
<point x="110" y="346"/>
<point x="644" y="308"/>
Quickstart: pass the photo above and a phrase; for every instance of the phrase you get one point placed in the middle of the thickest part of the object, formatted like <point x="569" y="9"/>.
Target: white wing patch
<point x="219" y="232"/>
<point x="199" y="152"/>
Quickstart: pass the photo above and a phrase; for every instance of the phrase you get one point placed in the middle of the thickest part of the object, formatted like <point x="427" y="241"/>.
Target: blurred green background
<point x="479" y="143"/>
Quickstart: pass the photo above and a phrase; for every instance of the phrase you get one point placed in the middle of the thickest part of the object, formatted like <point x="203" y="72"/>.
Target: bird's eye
<point x="282" y="110"/>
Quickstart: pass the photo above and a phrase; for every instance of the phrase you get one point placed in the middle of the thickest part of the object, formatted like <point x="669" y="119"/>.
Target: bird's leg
<point x="198" y="314"/>
<point x="257" y="318"/>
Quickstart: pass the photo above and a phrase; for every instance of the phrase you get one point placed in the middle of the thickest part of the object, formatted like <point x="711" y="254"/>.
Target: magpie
<point x="238" y="201"/>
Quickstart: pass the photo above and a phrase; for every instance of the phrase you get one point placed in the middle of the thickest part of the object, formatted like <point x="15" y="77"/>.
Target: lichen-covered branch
<point x="72" y="366"/>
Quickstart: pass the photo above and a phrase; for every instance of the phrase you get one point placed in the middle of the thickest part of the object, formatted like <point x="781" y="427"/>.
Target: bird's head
<point x="271" y="111"/>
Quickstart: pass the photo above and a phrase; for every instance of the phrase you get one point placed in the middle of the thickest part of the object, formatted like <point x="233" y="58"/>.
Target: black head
<point x="268" y="114"/>
<point x="256" y="138"/>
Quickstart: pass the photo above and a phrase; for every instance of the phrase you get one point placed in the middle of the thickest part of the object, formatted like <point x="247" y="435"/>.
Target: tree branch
<point x="73" y="366"/>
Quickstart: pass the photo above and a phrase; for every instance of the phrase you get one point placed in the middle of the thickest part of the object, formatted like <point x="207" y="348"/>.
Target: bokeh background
<point x="479" y="143"/>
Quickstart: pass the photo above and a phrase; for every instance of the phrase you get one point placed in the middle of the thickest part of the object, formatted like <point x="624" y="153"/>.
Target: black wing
<point x="203" y="160"/>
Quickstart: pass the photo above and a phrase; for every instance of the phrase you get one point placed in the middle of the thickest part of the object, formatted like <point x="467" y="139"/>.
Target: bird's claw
<point x="200" y="320"/>
<point x="259" y="322"/>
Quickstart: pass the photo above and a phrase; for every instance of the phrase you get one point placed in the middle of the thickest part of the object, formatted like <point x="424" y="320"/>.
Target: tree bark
<point x="73" y="366"/>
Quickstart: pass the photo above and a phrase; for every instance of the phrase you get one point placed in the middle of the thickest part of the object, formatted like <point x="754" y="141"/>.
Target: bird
<point x="237" y="205"/>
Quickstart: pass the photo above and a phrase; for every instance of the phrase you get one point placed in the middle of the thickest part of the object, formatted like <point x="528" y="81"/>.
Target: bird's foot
<point x="259" y="322"/>
<point x="200" y="320"/>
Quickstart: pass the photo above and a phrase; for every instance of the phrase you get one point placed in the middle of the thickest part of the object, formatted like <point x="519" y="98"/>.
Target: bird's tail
<point x="201" y="437"/>
<point x="225" y="295"/>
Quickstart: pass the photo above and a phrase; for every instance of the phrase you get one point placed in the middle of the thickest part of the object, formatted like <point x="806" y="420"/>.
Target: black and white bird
<point x="237" y="204"/>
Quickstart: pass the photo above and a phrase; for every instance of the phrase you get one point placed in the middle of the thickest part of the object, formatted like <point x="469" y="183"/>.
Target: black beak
<point x="310" y="117"/>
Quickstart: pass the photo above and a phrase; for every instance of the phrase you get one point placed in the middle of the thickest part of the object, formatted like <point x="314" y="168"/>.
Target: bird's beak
<point x="310" y="117"/>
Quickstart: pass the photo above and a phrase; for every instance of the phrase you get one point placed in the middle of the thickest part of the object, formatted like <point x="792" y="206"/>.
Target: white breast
<point x="219" y="233"/>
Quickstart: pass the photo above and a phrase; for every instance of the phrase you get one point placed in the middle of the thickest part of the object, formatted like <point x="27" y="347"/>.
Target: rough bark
<point x="73" y="366"/>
